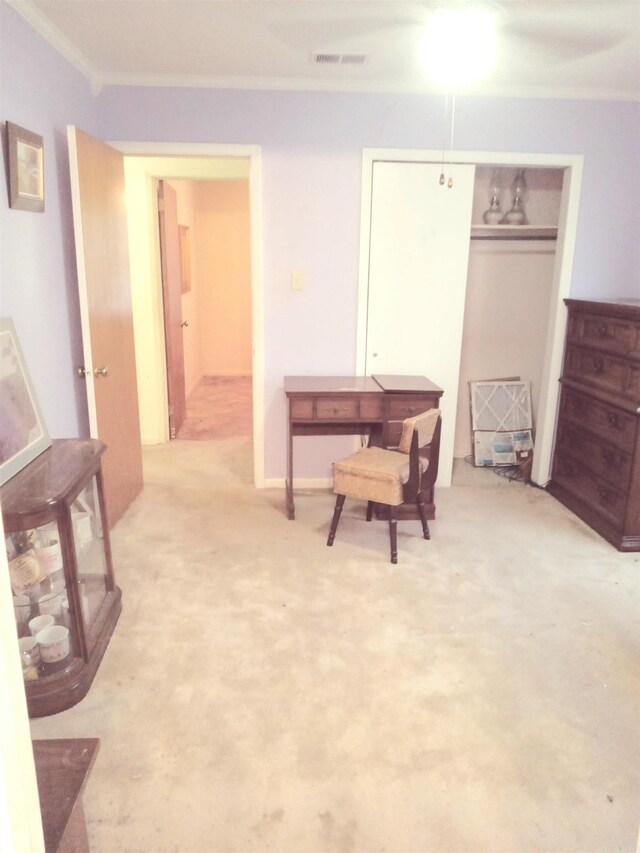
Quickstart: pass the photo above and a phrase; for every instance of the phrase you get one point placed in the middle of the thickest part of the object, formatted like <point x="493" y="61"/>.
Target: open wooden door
<point x="172" y="298"/>
<point x="102" y="254"/>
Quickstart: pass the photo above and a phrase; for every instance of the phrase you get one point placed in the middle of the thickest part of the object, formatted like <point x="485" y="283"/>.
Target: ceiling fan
<point x="552" y="31"/>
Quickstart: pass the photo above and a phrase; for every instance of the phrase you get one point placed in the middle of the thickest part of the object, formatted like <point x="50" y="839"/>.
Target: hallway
<point x="219" y="407"/>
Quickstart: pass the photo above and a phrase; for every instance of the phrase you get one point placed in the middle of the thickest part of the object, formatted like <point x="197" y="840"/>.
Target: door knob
<point x="101" y="371"/>
<point x="374" y="354"/>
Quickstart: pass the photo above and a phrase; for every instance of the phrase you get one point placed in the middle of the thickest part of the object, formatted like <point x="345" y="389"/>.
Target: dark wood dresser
<point x="596" y="462"/>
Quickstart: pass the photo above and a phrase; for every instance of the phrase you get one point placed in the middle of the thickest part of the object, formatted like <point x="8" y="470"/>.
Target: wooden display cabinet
<point x="57" y="541"/>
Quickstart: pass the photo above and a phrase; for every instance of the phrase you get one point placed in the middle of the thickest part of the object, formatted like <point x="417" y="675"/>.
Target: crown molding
<point x="189" y="81"/>
<point x="33" y="16"/>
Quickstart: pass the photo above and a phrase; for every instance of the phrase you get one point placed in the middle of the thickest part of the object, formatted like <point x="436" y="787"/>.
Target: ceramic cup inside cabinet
<point x="38" y="623"/>
<point x="29" y="651"/>
<point x="50" y="604"/>
<point x="54" y="643"/>
<point x="50" y="557"/>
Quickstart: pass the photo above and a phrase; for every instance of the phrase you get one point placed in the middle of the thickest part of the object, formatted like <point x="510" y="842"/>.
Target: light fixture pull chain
<point x="444" y="134"/>
<point x="453" y="116"/>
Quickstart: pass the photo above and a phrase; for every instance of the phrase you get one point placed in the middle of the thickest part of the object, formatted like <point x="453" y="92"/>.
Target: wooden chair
<point x="392" y="477"/>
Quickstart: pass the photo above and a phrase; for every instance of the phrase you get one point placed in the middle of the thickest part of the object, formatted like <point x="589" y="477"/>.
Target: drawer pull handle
<point x="598" y="365"/>
<point x="612" y="420"/>
<point x="602" y="330"/>
<point x="336" y="411"/>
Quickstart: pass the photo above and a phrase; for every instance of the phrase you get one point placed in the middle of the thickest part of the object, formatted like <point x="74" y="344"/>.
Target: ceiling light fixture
<point x="458" y="46"/>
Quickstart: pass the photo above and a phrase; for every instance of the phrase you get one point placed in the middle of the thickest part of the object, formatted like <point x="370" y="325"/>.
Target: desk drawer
<point x="403" y="406"/>
<point x="336" y="408"/>
<point x="301" y="409"/>
<point x="343" y="408"/>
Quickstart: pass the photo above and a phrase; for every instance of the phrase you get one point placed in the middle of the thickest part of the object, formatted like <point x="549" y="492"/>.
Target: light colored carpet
<point x="263" y="692"/>
<point x="219" y="407"/>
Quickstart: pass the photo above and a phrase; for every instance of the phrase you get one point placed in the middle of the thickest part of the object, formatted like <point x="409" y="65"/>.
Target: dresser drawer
<point x="610" y="334"/>
<point x="616" y="375"/>
<point x="614" y="425"/>
<point x="605" y="499"/>
<point x="604" y="460"/>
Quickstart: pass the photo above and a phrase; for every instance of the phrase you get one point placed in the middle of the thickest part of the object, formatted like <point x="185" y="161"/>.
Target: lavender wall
<point x="311" y="149"/>
<point x="38" y="286"/>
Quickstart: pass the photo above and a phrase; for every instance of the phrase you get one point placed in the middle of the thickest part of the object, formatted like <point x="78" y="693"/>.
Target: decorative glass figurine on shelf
<point x="493" y="214"/>
<point x="517" y="216"/>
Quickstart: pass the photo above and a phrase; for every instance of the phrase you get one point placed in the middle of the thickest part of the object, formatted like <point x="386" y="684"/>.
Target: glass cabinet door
<point x="46" y="636"/>
<point x="93" y="577"/>
<point x="65" y="600"/>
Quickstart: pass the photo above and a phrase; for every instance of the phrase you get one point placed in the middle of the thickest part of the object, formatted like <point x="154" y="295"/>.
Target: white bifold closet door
<point x="418" y="258"/>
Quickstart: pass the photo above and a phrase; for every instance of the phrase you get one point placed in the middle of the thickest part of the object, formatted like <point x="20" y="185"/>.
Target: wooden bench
<point x="62" y="769"/>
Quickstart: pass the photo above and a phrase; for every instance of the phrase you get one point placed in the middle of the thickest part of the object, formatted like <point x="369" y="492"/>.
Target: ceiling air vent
<point x="339" y="58"/>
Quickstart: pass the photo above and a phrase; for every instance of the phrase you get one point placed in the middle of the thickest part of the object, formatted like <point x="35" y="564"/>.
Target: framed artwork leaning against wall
<point x="23" y="434"/>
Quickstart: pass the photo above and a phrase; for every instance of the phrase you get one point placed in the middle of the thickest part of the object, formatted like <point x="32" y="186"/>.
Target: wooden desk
<point x="62" y="768"/>
<point x="356" y="405"/>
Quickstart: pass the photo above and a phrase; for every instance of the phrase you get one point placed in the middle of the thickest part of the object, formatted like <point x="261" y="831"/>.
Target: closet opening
<point x="509" y="292"/>
<point x="441" y="254"/>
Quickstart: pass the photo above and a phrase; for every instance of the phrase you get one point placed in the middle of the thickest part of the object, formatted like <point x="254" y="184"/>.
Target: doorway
<point x="554" y="329"/>
<point x="190" y="166"/>
<point x="211" y="278"/>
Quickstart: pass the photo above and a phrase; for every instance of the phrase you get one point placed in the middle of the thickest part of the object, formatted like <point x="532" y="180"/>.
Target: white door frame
<point x="561" y="287"/>
<point x="253" y="154"/>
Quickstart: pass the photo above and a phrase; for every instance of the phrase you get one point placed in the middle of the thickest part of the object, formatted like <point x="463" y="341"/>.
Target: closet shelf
<point x="513" y="232"/>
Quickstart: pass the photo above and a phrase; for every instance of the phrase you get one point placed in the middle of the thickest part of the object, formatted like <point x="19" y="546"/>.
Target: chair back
<point x="424" y="425"/>
<point x="421" y="432"/>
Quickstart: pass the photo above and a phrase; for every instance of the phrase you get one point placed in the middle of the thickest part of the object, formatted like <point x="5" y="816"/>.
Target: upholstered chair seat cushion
<point x="374" y="474"/>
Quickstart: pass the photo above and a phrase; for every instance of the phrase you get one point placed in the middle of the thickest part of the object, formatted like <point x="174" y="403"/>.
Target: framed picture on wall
<point x="26" y="169"/>
<point x="23" y="435"/>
